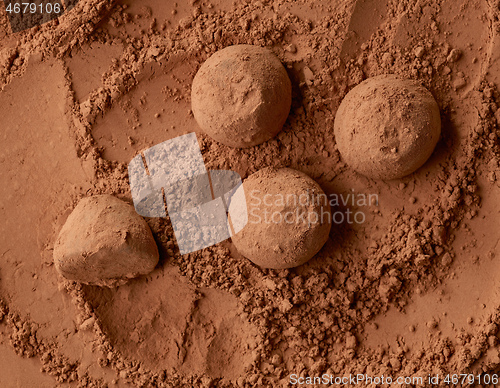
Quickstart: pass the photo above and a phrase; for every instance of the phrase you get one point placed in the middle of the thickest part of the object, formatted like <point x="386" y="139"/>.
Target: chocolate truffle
<point x="104" y="242"/>
<point x="387" y="127"/>
<point x="241" y="96"/>
<point x="289" y="218"/>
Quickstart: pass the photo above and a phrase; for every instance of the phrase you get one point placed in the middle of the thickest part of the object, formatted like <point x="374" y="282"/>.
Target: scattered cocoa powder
<point x="212" y="318"/>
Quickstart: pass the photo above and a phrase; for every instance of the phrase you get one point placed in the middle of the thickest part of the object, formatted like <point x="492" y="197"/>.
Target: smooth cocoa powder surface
<point x="411" y="290"/>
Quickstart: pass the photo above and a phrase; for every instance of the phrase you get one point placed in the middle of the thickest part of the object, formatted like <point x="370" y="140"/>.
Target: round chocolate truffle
<point x="241" y="96"/>
<point x="387" y="127"/>
<point x="289" y="218"/>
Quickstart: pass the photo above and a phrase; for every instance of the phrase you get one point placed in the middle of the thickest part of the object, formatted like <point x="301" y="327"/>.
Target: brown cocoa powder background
<point x="412" y="290"/>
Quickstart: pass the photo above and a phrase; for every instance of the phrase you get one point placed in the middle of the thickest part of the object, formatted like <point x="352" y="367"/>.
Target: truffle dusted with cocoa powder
<point x="387" y="127"/>
<point x="104" y="242"/>
<point x="289" y="218"/>
<point x="241" y="96"/>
